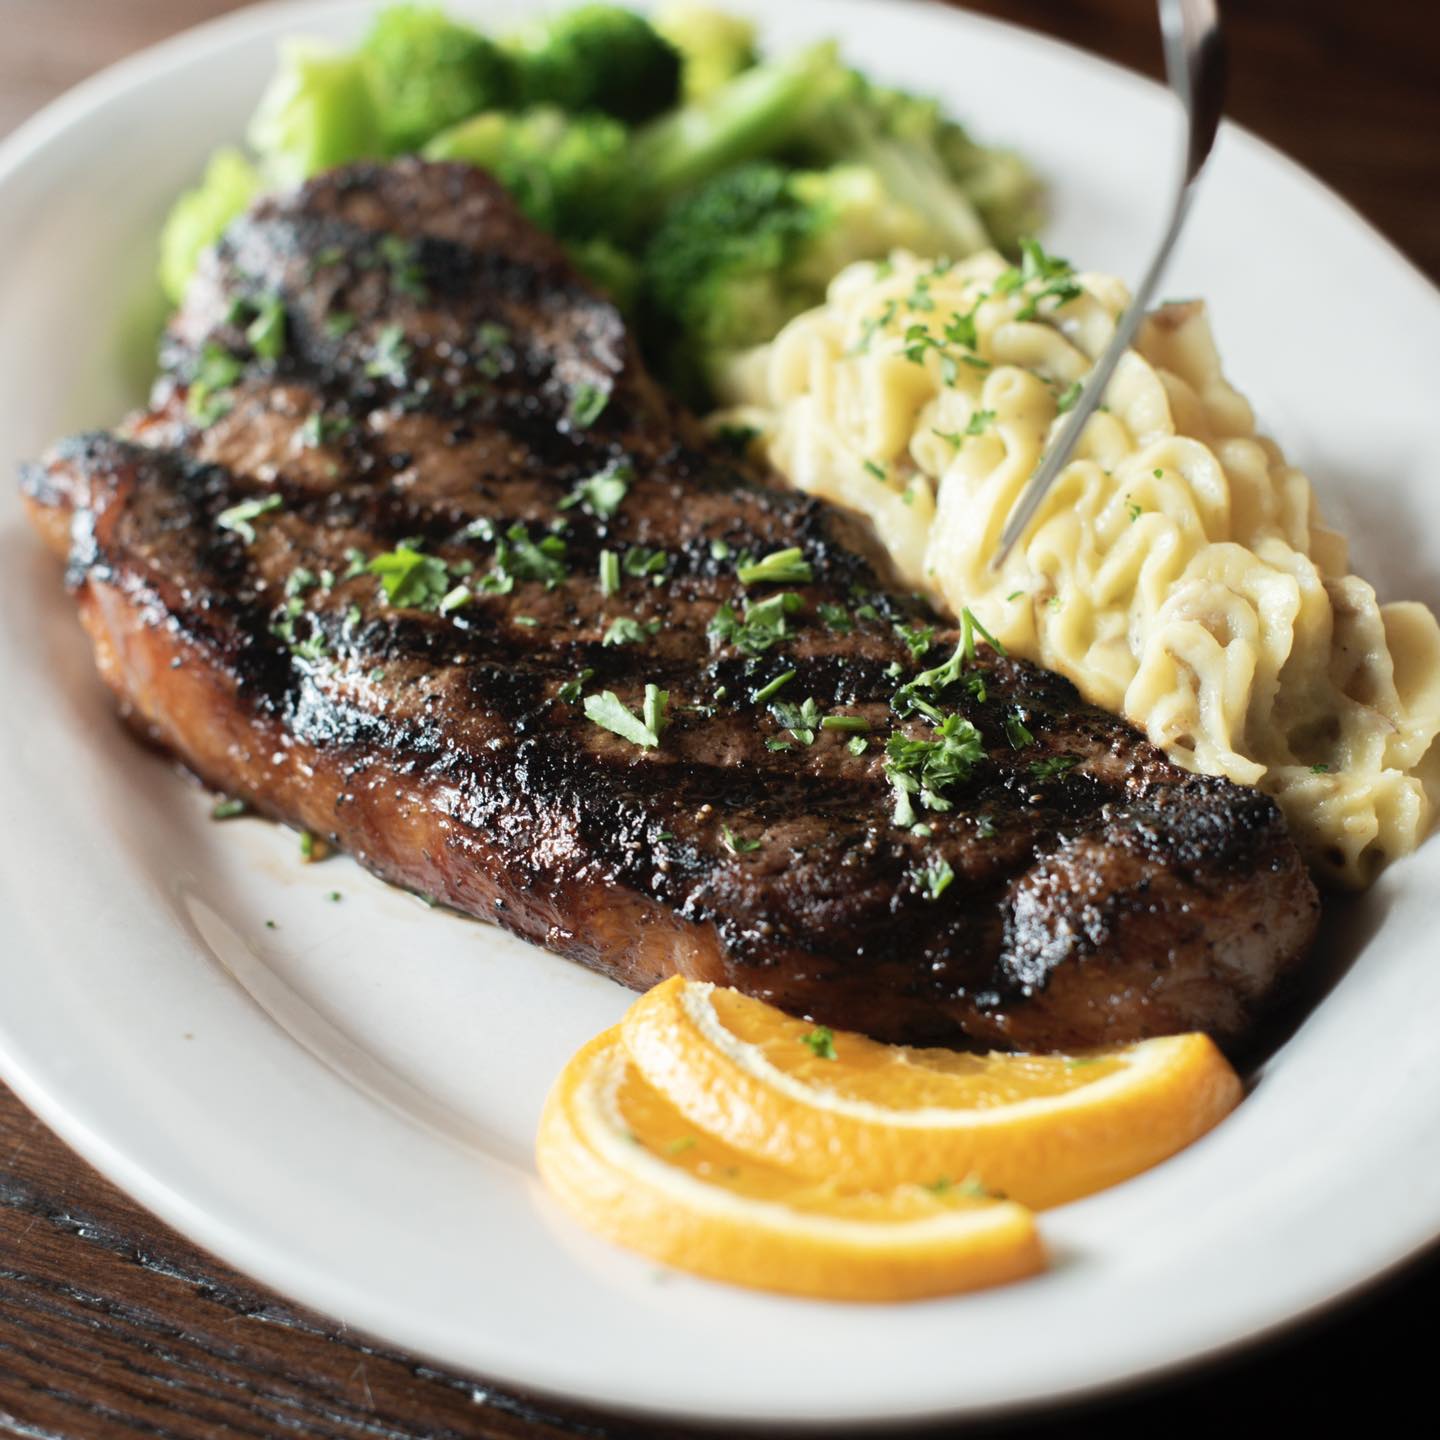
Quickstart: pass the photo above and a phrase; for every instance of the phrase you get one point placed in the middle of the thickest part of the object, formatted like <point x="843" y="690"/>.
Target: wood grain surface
<point x="112" y="1325"/>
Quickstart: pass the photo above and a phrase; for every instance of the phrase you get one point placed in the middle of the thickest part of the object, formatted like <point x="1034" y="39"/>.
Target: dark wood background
<point x="113" y="1325"/>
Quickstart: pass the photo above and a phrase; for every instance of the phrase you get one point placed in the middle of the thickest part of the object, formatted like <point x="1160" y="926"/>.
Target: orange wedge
<point x="1040" y="1129"/>
<point x="630" y="1167"/>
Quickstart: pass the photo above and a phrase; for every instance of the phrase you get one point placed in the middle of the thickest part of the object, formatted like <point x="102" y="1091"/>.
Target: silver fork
<point x="1195" y="68"/>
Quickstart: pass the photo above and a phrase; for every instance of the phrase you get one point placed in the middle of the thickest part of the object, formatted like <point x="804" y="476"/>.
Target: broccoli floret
<point x="714" y="46"/>
<point x="760" y="115"/>
<point x="811" y="109"/>
<point x="432" y="72"/>
<point x="598" y="57"/>
<point x="1001" y="186"/>
<point x="978" y="196"/>
<point x="198" y="217"/>
<point x="567" y="172"/>
<point x="318" y="111"/>
<point x="731" y="263"/>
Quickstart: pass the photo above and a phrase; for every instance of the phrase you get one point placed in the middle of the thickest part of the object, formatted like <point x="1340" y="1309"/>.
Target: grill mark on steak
<point x="1121" y="899"/>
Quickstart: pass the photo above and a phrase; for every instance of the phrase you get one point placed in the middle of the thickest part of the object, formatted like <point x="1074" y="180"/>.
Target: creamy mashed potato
<point x="1179" y="572"/>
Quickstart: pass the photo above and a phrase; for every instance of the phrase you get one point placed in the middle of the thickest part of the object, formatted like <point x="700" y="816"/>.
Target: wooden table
<point x="112" y="1325"/>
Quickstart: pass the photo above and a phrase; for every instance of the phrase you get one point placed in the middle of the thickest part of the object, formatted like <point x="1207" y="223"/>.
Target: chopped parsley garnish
<point x="920" y="298"/>
<point x="1068" y="398"/>
<point x="609" y="712"/>
<point x="1159" y="474"/>
<point x="872" y="326"/>
<point x="1062" y="291"/>
<point x="1056" y="277"/>
<point x="1054" y="767"/>
<point x="321" y="429"/>
<point x="391" y="356"/>
<point x="737" y="844"/>
<point x="411" y="578"/>
<point x="641" y="561"/>
<point x="657" y="701"/>
<point x="857" y="745"/>
<point x="960" y="330"/>
<point x="1014" y="594"/>
<point x="208" y="397"/>
<point x="602" y="494"/>
<point x="491" y="342"/>
<point x="455" y="599"/>
<point x="874" y="468"/>
<point x="774" y="744"/>
<point x="1016" y="731"/>
<point x="1320" y="769"/>
<point x="238" y="517"/>
<point x="773" y="688"/>
<point x="934" y="879"/>
<point x="571" y="691"/>
<point x="984" y="827"/>
<point x="1136" y="511"/>
<point x="917" y="639"/>
<point x="934" y="681"/>
<point x="763" y="626"/>
<point x="626" y="631"/>
<point x="928" y="768"/>
<point x="821" y="1043"/>
<point x="781" y="567"/>
<point x="402" y="260"/>
<point x="265" y="333"/>
<point x="849" y="723"/>
<point x="518" y="557"/>
<point x="587" y="405"/>
<point x="609" y="573"/>
<point x="227" y="809"/>
<point x="800" y="720"/>
<point x="835" y="618"/>
<point x="980" y="421"/>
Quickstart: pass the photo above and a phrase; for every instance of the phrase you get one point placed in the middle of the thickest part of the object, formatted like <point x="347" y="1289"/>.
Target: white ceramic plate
<point x="343" y="1105"/>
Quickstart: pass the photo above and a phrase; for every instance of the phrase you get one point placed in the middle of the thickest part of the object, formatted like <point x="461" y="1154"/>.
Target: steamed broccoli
<point x="909" y="136"/>
<point x="812" y="110"/>
<point x="731" y="263"/>
<point x="431" y="72"/>
<point x="598" y="57"/>
<point x="762" y="114"/>
<point x="565" y="171"/>
<point x="714" y="46"/>
<point x="318" y="111"/>
<point x="198" y="217"/>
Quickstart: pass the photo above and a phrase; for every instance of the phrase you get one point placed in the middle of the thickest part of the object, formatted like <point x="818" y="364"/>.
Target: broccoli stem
<point x="756" y="115"/>
<point x="915" y="175"/>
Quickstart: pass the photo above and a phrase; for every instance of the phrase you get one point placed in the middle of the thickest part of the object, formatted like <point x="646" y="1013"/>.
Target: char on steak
<point x="405" y="509"/>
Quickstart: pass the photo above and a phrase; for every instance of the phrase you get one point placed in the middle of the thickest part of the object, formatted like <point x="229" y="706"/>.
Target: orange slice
<point x="1040" y="1129"/>
<point x="630" y="1167"/>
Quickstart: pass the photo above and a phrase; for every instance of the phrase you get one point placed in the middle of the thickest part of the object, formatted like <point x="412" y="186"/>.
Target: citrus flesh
<point x="1040" y="1129"/>
<point x="634" y="1169"/>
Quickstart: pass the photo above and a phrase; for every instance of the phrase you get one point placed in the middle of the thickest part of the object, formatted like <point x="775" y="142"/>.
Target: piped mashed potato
<point x="1179" y="572"/>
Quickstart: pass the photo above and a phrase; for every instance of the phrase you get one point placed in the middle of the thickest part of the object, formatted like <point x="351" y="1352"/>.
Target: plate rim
<point x="149" y="65"/>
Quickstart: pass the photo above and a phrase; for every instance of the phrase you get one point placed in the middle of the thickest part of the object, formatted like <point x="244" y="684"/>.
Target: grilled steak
<point x="405" y="509"/>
